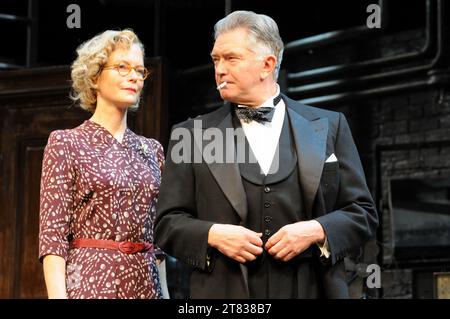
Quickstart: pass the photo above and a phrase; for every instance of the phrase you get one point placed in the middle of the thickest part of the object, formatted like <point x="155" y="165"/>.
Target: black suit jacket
<point x="194" y="196"/>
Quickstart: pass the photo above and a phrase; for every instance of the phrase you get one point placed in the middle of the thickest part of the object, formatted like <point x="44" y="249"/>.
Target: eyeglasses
<point x="125" y="69"/>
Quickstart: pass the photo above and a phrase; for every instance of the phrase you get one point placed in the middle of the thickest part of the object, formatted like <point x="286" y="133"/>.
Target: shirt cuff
<point x="324" y="249"/>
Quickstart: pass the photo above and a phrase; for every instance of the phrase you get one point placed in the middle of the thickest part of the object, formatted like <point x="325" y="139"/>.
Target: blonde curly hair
<point x="92" y="56"/>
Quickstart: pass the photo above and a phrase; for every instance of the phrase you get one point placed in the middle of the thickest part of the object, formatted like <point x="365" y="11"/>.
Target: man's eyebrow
<point x="226" y="53"/>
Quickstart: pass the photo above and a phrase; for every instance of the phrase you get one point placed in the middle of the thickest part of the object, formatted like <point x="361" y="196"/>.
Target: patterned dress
<point x="92" y="186"/>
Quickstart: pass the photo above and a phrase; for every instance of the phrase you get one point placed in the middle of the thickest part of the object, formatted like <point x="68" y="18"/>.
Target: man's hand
<point x="236" y="242"/>
<point x="295" y="238"/>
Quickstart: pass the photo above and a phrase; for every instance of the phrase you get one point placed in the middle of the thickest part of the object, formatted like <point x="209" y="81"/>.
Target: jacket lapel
<point x="310" y="141"/>
<point x="227" y="175"/>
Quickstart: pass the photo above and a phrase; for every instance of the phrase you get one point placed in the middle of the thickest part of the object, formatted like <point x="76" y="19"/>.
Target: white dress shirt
<point x="263" y="137"/>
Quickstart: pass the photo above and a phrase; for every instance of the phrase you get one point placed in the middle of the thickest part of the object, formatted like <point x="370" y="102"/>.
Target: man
<point x="277" y="227"/>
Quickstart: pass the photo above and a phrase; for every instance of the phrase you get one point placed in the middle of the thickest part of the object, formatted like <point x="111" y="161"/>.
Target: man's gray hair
<point x="262" y="29"/>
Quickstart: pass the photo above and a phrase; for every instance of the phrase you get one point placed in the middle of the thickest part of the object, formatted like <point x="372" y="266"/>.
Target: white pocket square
<point x="331" y="159"/>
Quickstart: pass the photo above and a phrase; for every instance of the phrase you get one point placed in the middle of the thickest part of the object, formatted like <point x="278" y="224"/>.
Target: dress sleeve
<point x="56" y="197"/>
<point x="159" y="154"/>
<point x="159" y="151"/>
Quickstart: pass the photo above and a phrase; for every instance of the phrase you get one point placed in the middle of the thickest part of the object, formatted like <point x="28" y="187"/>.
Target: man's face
<point x="237" y="64"/>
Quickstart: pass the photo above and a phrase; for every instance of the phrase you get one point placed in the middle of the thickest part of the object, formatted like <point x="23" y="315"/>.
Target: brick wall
<point x="412" y="133"/>
<point x="403" y="135"/>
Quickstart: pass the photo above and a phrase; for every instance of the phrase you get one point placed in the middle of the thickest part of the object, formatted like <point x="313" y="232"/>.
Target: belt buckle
<point x="127" y="247"/>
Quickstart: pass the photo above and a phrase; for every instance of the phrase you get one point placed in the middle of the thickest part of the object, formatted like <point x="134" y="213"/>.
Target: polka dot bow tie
<point x="260" y="114"/>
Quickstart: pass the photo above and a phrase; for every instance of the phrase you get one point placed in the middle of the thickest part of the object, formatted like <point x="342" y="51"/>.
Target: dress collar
<point x="100" y="135"/>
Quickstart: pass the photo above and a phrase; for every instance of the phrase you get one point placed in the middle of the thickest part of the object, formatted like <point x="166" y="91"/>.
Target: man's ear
<point x="269" y="64"/>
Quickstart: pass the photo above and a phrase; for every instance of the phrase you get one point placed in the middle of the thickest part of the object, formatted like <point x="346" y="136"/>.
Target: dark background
<point x="180" y="30"/>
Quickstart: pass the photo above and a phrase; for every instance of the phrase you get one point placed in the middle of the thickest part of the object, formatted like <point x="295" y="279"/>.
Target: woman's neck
<point x="113" y="119"/>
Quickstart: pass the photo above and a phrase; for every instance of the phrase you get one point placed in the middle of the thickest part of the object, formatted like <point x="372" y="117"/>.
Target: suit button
<point x="267" y="189"/>
<point x="266" y="204"/>
<point x="267" y="232"/>
<point x="267" y="219"/>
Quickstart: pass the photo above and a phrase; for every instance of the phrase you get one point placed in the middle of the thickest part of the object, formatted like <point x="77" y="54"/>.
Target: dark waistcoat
<point x="275" y="200"/>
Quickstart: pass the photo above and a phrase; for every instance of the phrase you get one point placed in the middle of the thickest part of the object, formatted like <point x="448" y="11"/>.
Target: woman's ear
<point x="95" y="84"/>
<point x="95" y="80"/>
<point x="269" y="64"/>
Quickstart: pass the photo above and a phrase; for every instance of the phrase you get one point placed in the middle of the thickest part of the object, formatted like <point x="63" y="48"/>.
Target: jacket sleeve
<point x="178" y="231"/>
<point x="354" y="219"/>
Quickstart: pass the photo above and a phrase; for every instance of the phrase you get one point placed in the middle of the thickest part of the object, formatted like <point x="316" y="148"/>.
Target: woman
<point x="100" y="183"/>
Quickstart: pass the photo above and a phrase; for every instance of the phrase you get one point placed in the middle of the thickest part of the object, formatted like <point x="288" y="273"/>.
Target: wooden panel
<point x="152" y="118"/>
<point x="25" y="126"/>
<point x="29" y="282"/>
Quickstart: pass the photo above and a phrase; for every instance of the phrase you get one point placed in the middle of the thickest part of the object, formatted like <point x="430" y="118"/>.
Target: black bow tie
<point x="260" y="114"/>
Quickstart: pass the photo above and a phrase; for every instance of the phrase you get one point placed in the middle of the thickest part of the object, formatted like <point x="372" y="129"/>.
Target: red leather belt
<point x="126" y="247"/>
